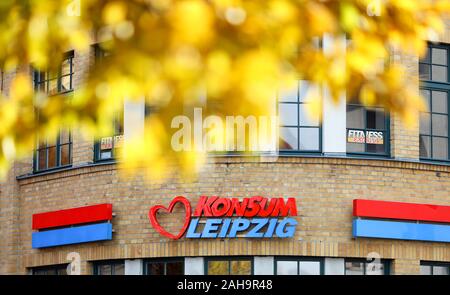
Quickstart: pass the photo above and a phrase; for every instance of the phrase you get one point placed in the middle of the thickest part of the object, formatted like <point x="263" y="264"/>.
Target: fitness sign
<point x="215" y="217"/>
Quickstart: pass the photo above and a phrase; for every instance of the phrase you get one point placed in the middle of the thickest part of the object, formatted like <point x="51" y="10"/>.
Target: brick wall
<point x="324" y="189"/>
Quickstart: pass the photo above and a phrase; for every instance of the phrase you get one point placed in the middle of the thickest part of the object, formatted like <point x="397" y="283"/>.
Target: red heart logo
<point x="187" y="218"/>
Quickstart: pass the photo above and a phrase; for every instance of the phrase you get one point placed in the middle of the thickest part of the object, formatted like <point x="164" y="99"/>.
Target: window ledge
<point x="64" y="169"/>
<point x="234" y="158"/>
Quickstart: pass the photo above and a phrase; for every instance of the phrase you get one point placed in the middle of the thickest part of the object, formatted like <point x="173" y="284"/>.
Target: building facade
<point x="325" y="164"/>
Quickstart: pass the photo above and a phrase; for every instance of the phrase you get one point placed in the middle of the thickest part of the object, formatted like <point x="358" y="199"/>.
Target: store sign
<point x="106" y="143"/>
<point x="403" y="221"/>
<point x="118" y="141"/>
<point x="72" y="226"/>
<point x="255" y="217"/>
<point x="369" y="137"/>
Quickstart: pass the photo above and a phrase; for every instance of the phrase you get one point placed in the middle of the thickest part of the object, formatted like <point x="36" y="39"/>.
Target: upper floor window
<point x="367" y="130"/>
<point x="434" y="268"/>
<point x="299" y="266"/>
<point x="54" y="153"/>
<point x="300" y="131"/>
<point x="107" y="147"/>
<point x="434" y="66"/>
<point x="60" y="81"/>
<point x="435" y="88"/>
<point x="229" y="266"/>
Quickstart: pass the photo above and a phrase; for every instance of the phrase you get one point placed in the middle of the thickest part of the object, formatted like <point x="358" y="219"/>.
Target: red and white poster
<point x="356" y="136"/>
<point x="106" y="143"/>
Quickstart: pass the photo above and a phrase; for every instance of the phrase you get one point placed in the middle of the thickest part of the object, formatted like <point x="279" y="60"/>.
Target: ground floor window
<point x="60" y="269"/>
<point x="366" y="267"/>
<point x="228" y="266"/>
<point x="434" y="268"/>
<point x="164" y="267"/>
<point x="115" y="267"/>
<point x="298" y="266"/>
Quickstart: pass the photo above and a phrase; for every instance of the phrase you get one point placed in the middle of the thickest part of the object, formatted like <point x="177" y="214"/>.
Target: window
<point x="109" y="268"/>
<point x="367" y="130"/>
<point x="228" y="266"/>
<point x="50" y="270"/>
<point x="52" y="154"/>
<point x="299" y="129"/>
<point x="435" y="88"/>
<point x="366" y="267"/>
<point x="299" y="266"/>
<point x="57" y="82"/>
<point x="434" y="268"/>
<point x="434" y="66"/>
<point x="164" y="267"/>
<point x="107" y="148"/>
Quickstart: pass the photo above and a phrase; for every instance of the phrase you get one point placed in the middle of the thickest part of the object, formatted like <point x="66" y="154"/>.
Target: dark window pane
<point x="440" y="148"/>
<point x="119" y="269"/>
<point x="425" y="123"/>
<point x="439" y="124"/>
<point x="104" y="269"/>
<point x="439" y="56"/>
<point x="355" y="117"/>
<point x="439" y="73"/>
<point x="288" y="138"/>
<point x="375" y="148"/>
<point x="425" y="146"/>
<point x="309" y="139"/>
<point x="174" y="268"/>
<point x="288" y="114"/>
<point x="52" y="157"/>
<point x="156" y="268"/>
<point x="424" y="72"/>
<point x="375" y="119"/>
<point x="42" y="159"/>
<point x="65" y="154"/>
<point x="61" y="271"/>
<point x="439" y="102"/>
<point x="40" y="272"/>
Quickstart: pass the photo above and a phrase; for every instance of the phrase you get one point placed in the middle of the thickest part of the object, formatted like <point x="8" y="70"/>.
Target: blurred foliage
<point x="170" y="51"/>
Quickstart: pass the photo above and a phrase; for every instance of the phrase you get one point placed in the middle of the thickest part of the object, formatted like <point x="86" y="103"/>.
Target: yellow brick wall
<point x="324" y="189"/>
